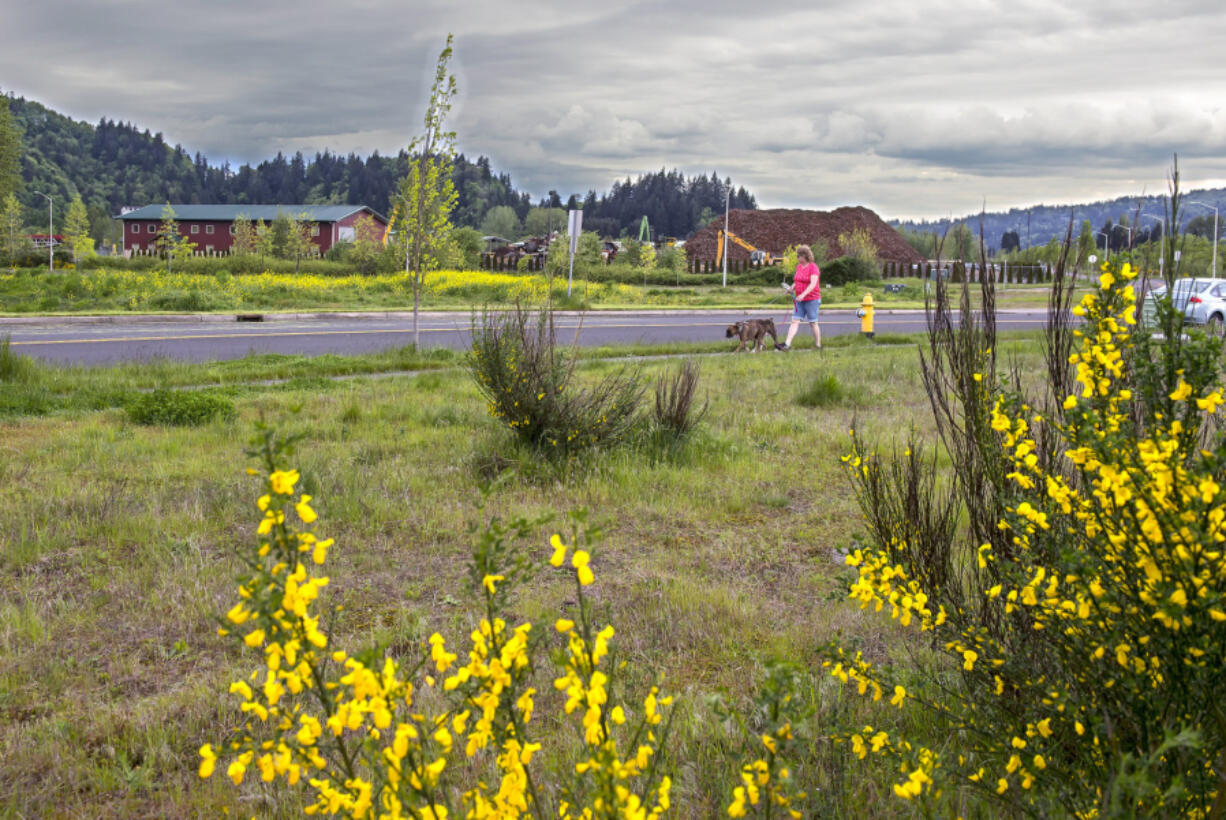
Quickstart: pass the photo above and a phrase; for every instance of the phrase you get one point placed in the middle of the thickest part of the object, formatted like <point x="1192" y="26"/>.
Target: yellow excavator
<point x="756" y="255"/>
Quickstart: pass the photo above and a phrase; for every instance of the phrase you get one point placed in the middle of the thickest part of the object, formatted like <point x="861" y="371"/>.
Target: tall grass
<point x="824" y="390"/>
<point x="15" y="368"/>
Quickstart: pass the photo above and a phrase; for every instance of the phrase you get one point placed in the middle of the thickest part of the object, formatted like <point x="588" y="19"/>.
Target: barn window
<point x="195" y="229"/>
<point x="314" y="229"/>
<point x="153" y="228"/>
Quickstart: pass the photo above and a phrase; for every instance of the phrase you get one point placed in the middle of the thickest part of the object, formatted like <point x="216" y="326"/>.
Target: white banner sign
<point x="574" y="226"/>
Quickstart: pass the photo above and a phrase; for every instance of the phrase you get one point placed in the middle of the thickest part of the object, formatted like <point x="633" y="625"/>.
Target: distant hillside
<point x="115" y="165"/>
<point x="1038" y="224"/>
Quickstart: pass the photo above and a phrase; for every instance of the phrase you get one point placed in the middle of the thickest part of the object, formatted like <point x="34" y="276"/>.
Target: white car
<point x="1202" y="301"/>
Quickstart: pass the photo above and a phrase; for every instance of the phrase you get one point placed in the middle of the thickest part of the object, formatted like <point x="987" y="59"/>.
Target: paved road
<point x="106" y="340"/>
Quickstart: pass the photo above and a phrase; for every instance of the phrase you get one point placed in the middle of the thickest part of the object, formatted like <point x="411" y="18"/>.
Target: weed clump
<point x="823" y="391"/>
<point x="528" y="384"/>
<point x="184" y="408"/>
<point x="675" y="414"/>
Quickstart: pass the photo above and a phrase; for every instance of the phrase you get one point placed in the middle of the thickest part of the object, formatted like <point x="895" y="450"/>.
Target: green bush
<point x="191" y="301"/>
<point x="180" y="407"/>
<point x="847" y="269"/>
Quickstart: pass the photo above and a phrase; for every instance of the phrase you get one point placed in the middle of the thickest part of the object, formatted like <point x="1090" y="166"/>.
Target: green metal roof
<point x="228" y="213"/>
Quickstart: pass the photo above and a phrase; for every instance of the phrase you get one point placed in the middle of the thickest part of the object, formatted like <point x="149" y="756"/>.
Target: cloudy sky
<point x="916" y="109"/>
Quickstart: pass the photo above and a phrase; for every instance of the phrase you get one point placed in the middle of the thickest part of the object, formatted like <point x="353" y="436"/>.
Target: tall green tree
<point x="246" y="241"/>
<point x="263" y="239"/>
<point x="501" y="221"/>
<point x="1085" y="243"/>
<point x="367" y="249"/>
<point x="76" y="229"/>
<point x="962" y="243"/>
<point x="170" y="243"/>
<point x="539" y="221"/>
<point x="276" y="239"/>
<point x="10" y="152"/>
<point x="426" y="194"/>
<point x="298" y="244"/>
<point x="468" y="242"/>
<point x="12" y="233"/>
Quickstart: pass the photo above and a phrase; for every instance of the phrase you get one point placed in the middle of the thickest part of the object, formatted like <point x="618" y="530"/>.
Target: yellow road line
<point x="282" y="333"/>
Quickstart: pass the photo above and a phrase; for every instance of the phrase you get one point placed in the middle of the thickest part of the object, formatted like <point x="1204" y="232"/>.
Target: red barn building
<point x="211" y="227"/>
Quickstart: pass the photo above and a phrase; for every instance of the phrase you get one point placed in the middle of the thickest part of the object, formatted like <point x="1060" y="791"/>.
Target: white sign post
<point x="574" y="226"/>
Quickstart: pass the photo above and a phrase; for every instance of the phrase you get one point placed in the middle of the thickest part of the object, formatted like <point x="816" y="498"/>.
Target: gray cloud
<point x="915" y="109"/>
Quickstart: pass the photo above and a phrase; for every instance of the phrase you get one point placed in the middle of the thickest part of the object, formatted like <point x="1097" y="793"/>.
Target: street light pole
<point x="1214" y="207"/>
<point x="1161" y="245"/>
<point x="727" y="227"/>
<point x="1106" y="245"/>
<point x="50" y="232"/>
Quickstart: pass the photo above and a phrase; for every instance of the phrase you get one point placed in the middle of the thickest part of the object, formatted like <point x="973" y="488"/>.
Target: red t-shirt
<point x="807" y="272"/>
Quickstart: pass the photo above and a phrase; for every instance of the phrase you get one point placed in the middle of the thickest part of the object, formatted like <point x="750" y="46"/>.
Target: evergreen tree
<point x="10" y="152"/>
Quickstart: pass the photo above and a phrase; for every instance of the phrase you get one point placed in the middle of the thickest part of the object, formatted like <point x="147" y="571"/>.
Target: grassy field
<point x="118" y="548"/>
<point x="116" y="291"/>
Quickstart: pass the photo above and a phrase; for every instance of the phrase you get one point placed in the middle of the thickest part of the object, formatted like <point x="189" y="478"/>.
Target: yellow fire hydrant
<point x="866" y="315"/>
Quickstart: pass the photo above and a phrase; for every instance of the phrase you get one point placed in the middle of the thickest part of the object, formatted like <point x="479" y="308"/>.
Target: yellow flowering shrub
<point x="1080" y="653"/>
<point x="767" y="784"/>
<point x="442" y="733"/>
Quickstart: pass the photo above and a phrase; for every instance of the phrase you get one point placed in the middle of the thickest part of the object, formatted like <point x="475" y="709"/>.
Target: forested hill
<point x="1038" y="224"/>
<point x="114" y="165"/>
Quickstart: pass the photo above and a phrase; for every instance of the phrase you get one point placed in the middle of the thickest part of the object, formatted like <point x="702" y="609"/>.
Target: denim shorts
<point x="806" y="311"/>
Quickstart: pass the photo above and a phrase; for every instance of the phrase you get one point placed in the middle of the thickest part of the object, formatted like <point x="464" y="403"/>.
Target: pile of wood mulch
<point x="775" y="229"/>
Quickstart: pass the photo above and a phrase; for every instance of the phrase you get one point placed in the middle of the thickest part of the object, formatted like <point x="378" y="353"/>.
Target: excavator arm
<point x="719" y="248"/>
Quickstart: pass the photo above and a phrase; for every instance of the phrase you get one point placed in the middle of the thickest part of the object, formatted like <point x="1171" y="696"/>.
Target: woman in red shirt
<point x="807" y="293"/>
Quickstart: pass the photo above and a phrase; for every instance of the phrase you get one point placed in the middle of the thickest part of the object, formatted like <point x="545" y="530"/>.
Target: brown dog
<point x="752" y="332"/>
